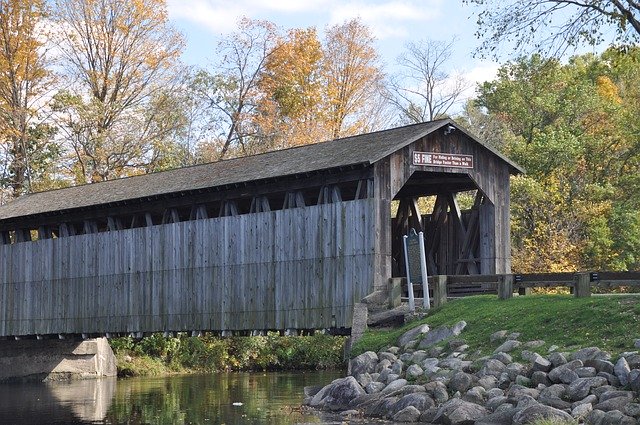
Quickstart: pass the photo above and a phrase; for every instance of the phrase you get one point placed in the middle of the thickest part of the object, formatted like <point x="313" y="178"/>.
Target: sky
<point x="393" y="22"/>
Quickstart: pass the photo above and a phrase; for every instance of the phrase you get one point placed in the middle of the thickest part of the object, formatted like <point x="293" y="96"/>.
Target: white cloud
<point x="217" y="16"/>
<point x="478" y="75"/>
<point x="386" y="19"/>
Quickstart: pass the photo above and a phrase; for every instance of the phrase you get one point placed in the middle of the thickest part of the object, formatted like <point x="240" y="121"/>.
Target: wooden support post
<point x="505" y="287"/>
<point x="524" y="291"/>
<point x="582" y="285"/>
<point x="439" y="291"/>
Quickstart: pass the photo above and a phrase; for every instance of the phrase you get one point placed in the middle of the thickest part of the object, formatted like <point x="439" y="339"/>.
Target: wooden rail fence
<point x="504" y="285"/>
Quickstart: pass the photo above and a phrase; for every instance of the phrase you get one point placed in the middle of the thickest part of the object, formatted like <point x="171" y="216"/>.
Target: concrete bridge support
<point x="55" y="360"/>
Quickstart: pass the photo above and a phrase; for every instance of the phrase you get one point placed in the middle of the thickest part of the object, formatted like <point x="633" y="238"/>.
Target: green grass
<point x="608" y="322"/>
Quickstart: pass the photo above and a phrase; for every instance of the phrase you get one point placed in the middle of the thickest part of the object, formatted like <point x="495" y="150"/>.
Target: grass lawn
<point x="608" y="322"/>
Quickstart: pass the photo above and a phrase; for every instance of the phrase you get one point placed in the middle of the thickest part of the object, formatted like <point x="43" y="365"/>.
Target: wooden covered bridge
<point x="289" y="239"/>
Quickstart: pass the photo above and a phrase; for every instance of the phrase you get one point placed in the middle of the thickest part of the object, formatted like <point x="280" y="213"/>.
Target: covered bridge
<point x="282" y="240"/>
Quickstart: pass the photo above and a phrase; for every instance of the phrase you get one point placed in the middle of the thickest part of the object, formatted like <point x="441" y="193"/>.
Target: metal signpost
<point x="416" y="266"/>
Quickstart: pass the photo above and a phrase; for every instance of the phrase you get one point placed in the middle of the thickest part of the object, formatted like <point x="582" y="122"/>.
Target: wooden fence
<point x="301" y="268"/>
<point x="580" y="284"/>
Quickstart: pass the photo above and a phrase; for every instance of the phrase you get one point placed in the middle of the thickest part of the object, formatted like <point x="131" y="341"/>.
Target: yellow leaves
<point x="607" y="89"/>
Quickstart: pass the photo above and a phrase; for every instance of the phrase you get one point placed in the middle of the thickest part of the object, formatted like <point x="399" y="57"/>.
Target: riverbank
<point x="483" y="360"/>
<point x="157" y="355"/>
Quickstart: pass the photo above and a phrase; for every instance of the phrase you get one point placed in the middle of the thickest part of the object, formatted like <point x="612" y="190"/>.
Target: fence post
<point x="505" y="287"/>
<point x="582" y="285"/>
<point x="439" y="290"/>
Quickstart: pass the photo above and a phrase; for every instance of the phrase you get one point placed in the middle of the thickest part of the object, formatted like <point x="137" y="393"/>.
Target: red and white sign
<point x="435" y="159"/>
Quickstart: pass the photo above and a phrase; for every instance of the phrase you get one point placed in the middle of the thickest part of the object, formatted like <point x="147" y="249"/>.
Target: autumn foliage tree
<point x="25" y="81"/>
<point x="120" y="57"/>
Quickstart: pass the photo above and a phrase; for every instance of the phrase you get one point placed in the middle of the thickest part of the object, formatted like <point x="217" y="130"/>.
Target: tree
<point x="568" y="125"/>
<point x="553" y="26"/>
<point x="355" y="81"/>
<point x="232" y="93"/>
<point x="119" y="57"/>
<point x="423" y="90"/>
<point x="25" y="82"/>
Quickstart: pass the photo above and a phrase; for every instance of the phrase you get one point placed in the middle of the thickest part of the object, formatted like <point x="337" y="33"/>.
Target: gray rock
<point x="621" y="370"/>
<point x="601" y="365"/>
<point x="494" y="392"/>
<point x="590" y="399"/>
<point x="364" y="379"/>
<point x="460" y="382"/>
<point x="611" y="379"/>
<point x="554" y="401"/>
<point x="601" y="390"/>
<point x="523" y="380"/>
<point x="541" y="364"/>
<point x="475" y="395"/>
<point x="492" y="367"/>
<point x="394" y="350"/>
<point x="408" y="414"/>
<point x="455" y="364"/>
<point x="392" y="377"/>
<point x="498" y="336"/>
<point x="636" y="343"/>
<point x="557" y="359"/>
<point x="529" y="356"/>
<point x="586" y="372"/>
<point x="634" y="380"/>
<point x="383" y="364"/>
<point x="534" y="344"/>
<point x="347" y="414"/>
<point x="503" y="357"/>
<point x="406" y="356"/>
<point x="507" y="346"/>
<point x="565" y="373"/>
<point x="581" y="411"/>
<point x="393" y="386"/>
<point x="440" y="334"/>
<point x="517" y="392"/>
<point x="555" y="390"/>
<point x="440" y="393"/>
<point x="412" y="388"/>
<point x="634" y="360"/>
<point x="397" y="367"/>
<point x="429" y="415"/>
<point x="595" y="417"/>
<point x="414" y="371"/>
<point x="374" y="387"/>
<point x="617" y="403"/>
<point x="581" y="387"/>
<point x="515" y="369"/>
<point x="540" y="411"/>
<point x="385" y="355"/>
<point x="459" y="412"/>
<point x="538" y="378"/>
<point x="488" y="382"/>
<point x="632" y="409"/>
<point x="504" y="381"/>
<point x="364" y="363"/>
<point x="591" y="353"/>
<point x="613" y="394"/>
<point x="417" y="357"/>
<point x="455" y="344"/>
<point x="500" y="417"/>
<point x="338" y="395"/>
<point x="383" y="376"/>
<point x="420" y="401"/>
<point x="412" y="334"/>
<point x="493" y="403"/>
<point x="525" y="402"/>
<point x="616" y="417"/>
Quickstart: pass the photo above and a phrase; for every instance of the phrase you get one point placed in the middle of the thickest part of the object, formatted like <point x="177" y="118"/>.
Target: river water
<point x="226" y="398"/>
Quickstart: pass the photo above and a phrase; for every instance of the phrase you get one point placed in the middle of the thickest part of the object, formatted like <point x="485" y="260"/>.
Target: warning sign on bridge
<point x="435" y="159"/>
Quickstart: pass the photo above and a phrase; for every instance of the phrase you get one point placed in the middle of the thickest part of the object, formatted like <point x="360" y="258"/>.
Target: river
<point x="225" y="398"/>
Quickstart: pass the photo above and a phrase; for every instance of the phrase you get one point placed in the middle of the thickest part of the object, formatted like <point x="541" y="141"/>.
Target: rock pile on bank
<point x="431" y="377"/>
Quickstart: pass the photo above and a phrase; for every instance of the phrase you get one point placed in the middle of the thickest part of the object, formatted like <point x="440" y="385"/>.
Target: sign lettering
<point x="435" y="159"/>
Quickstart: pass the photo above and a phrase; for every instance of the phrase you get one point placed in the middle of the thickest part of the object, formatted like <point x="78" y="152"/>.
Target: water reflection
<point x="272" y="398"/>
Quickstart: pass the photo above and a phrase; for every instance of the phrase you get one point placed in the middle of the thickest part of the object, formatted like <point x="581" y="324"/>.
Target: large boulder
<point x="581" y="387"/>
<point x="591" y="353"/>
<point x="364" y="363"/>
<point x="420" y="401"/>
<point x="507" y="346"/>
<point x="338" y="395"/>
<point x="621" y="370"/>
<point x="408" y="414"/>
<point x="440" y="334"/>
<point x="536" y="412"/>
<point x="459" y="412"/>
<point x="412" y="334"/>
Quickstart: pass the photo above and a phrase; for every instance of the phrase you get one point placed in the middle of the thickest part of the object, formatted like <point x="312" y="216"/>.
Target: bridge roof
<point x="364" y="149"/>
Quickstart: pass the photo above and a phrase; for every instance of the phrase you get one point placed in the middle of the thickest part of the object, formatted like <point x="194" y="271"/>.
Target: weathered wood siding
<point x="301" y="268"/>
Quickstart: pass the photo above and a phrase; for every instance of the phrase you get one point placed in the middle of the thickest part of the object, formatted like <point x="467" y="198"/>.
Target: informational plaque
<point x="413" y="256"/>
<point x="436" y="159"/>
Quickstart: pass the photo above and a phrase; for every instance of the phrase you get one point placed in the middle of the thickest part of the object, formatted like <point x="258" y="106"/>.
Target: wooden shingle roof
<point x="362" y="149"/>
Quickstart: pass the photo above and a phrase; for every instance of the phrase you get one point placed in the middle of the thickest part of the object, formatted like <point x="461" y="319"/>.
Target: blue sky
<point x="394" y="23"/>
